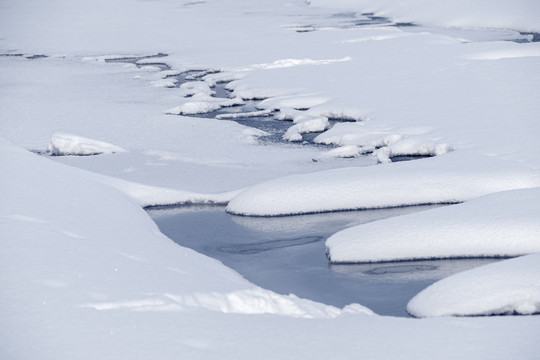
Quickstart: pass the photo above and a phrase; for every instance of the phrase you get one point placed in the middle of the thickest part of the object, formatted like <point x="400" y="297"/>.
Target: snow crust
<point x="501" y="224"/>
<point x="507" y="287"/>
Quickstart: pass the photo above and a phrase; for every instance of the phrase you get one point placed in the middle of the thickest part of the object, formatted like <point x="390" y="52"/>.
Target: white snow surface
<point x="505" y="14"/>
<point x="87" y="268"/>
<point x="427" y="181"/>
<point x="501" y="224"/>
<point x="507" y="287"/>
<point x="87" y="275"/>
<point x="67" y="144"/>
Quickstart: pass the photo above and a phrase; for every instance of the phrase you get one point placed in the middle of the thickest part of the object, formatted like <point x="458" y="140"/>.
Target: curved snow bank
<point x="147" y="195"/>
<point x="445" y="179"/>
<point x="507" y="287"/>
<point x="65" y="144"/>
<point x="502" y="224"/>
<point x="519" y="14"/>
<point x="75" y="242"/>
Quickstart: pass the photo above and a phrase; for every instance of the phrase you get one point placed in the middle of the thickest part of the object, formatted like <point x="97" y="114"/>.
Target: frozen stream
<point x="287" y="255"/>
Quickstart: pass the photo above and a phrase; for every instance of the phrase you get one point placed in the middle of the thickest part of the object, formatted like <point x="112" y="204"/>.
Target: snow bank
<point x="202" y="104"/>
<point x="98" y="249"/>
<point x="519" y="15"/>
<point x="65" y="144"/>
<point x="381" y="143"/>
<point x="501" y="224"/>
<point x="200" y="100"/>
<point x="251" y="301"/>
<point x="148" y="195"/>
<point x="452" y="178"/>
<point x="507" y="287"/>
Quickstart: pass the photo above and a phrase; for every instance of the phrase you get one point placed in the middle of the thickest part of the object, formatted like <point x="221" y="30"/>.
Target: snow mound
<point x="347" y="151"/>
<point x="502" y="224"/>
<point x="304" y="124"/>
<point x="199" y="99"/>
<point x="383" y="144"/>
<point x="65" y="144"/>
<point x="259" y="113"/>
<point x="166" y="83"/>
<point x="452" y="178"/>
<point x="506" y="287"/>
<point x="203" y="105"/>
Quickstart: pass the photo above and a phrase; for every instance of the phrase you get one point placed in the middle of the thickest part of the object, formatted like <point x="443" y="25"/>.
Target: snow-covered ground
<point x="86" y="274"/>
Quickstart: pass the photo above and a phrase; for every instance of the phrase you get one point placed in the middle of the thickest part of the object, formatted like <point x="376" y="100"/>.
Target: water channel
<point x="287" y="255"/>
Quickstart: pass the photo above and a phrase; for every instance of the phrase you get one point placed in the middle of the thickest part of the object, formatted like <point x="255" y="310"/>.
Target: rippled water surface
<point x="287" y="255"/>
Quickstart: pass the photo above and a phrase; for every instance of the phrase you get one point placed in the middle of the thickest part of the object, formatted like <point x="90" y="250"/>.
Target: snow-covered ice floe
<point x="502" y="224"/>
<point x="66" y="144"/>
<point x="507" y="287"/>
<point x="429" y="181"/>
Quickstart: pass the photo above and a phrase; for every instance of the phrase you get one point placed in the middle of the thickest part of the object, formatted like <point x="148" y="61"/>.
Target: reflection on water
<point x="288" y="255"/>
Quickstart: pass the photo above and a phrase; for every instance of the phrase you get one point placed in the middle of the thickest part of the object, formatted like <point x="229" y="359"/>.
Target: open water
<point x="288" y="255"/>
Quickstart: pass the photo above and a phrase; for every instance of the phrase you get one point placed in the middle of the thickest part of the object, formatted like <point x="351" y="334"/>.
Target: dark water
<point x="287" y="255"/>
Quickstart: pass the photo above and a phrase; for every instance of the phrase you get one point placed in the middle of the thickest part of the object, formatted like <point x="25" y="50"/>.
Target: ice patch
<point x="65" y="144"/>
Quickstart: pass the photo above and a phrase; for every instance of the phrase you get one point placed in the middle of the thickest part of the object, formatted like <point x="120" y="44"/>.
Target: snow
<point x="501" y="224"/>
<point x="66" y="144"/>
<point x="507" y="287"/>
<point x="98" y="271"/>
<point x="428" y="181"/>
<point x="520" y="15"/>
<point x="82" y="264"/>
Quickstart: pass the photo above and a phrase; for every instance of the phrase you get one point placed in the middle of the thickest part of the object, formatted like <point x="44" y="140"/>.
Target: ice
<point x="507" y="287"/>
<point x="66" y="144"/>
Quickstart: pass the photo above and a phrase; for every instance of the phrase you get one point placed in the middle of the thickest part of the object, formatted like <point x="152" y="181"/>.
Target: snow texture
<point x="501" y="224"/>
<point x="66" y="144"/>
<point x="429" y="181"/>
<point x="507" y="287"/>
<point x="87" y="275"/>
